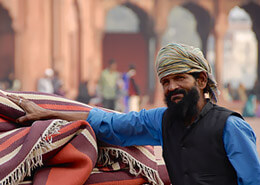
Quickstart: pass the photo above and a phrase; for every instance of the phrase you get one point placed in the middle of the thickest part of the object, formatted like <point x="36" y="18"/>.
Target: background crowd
<point x="249" y="98"/>
<point x="118" y="90"/>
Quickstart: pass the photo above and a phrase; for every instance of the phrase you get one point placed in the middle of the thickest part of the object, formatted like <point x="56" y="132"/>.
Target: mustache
<point x="176" y="91"/>
<point x="167" y="98"/>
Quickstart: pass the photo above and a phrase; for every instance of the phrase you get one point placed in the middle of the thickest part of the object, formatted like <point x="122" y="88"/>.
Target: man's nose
<point x="173" y="85"/>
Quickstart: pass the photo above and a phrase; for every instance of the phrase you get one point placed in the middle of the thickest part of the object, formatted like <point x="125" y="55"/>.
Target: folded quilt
<point x="61" y="152"/>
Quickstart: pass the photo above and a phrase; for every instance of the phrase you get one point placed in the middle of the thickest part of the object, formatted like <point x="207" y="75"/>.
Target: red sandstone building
<point x="71" y="37"/>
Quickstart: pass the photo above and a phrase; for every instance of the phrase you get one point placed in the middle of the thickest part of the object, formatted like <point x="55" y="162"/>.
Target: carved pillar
<point x="158" y="93"/>
<point x="204" y="23"/>
<point x="160" y="17"/>
<point x="220" y="28"/>
<point x="56" y="35"/>
<point x="97" y="19"/>
<point x="32" y="42"/>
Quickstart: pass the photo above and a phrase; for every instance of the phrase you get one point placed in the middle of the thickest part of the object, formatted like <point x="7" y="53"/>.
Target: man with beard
<point x="203" y="143"/>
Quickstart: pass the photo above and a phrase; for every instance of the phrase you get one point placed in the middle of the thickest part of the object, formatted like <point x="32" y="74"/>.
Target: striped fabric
<point x="115" y="163"/>
<point x="180" y="58"/>
<point x="61" y="152"/>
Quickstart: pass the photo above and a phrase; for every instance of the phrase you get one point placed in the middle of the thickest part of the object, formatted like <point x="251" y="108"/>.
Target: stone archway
<point x="6" y="45"/>
<point x="253" y="10"/>
<point x="137" y="37"/>
<point x="74" y="48"/>
<point x="204" y="23"/>
<point x="240" y="51"/>
<point x="147" y="29"/>
<point x="181" y="31"/>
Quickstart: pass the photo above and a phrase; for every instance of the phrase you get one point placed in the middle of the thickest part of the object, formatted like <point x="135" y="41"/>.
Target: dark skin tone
<point x="185" y="81"/>
<point x="169" y="83"/>
<point x="35" y="112"/>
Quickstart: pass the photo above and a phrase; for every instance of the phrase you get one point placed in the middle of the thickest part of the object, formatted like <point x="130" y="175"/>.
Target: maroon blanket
<point x="61" y="152"/>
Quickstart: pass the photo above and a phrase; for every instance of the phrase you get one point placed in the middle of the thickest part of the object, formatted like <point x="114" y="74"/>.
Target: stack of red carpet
<point x="62" y="152"/>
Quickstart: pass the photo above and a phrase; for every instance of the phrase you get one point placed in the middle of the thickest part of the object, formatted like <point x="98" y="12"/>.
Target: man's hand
<point x="32" y="111"/>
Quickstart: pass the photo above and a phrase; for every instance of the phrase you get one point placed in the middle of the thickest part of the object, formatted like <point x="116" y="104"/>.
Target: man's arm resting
<point x="69" y="116"/>
<point x="34" y="112"/>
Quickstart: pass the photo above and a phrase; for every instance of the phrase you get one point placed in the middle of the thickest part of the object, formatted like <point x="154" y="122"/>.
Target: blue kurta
<point x="145" y="128"/>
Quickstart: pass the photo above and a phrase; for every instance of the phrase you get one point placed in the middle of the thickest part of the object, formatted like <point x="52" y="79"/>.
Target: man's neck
<point x="201" y="103"/>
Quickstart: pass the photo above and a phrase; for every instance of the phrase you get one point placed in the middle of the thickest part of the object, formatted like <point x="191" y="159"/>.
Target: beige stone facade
<point x="67" y="35"/>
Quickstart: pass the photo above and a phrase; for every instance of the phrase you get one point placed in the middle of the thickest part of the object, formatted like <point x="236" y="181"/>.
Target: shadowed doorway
<point x="6" y="47"/>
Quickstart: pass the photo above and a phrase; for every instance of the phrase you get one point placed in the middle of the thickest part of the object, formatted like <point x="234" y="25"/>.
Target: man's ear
<point x="202" y="80"/>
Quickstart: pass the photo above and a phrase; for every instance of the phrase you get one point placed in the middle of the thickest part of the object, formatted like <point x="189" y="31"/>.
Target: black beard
<point x="186" y="109"/>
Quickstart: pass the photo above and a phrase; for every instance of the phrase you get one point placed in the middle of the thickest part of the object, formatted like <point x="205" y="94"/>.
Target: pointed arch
<point x="131" y="45"/>
<point x="6" y="45"/>
<point x="204" y="22"/>
<point x="253" y="10"/>
<point x="122" y="19"/>
<point x="240" y="51"/>
<point x="181" y="28"/>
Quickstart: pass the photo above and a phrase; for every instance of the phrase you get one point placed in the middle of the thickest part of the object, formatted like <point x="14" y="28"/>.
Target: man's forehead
<point x="173" y="75"/>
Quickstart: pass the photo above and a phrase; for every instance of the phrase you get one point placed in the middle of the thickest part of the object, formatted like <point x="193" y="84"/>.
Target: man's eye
<point x="165" y="83"/>
<point x="179" y="77"/>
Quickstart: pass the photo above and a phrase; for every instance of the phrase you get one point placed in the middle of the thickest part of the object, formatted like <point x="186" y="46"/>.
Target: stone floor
<point x="255" y="124"/>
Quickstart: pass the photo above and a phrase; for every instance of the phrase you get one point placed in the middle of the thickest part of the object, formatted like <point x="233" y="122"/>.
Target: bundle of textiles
<point x="62" y="152"/>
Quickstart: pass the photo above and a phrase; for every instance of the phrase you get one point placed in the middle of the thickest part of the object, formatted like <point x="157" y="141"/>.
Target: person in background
<point x="250" y="106"/>
<point x="131" y="89"/>
<point x="256" y="89"/>
<point x="14" y="83"/>
<point x="203" y="143"/>
<point x="242" y="94"/>
<point x="108" y="85"/>
<point x="227" y="92"/>
<point x="83" y="94"/>
<point x="57" y="84"/>
<point x="44" y="84"/>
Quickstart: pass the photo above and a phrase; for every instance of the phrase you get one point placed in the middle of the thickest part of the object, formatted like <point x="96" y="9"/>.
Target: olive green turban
<point x="179" y="58"/>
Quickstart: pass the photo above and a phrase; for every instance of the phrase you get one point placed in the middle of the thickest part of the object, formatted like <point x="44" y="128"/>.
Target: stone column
<point x="56" y="34"/>
<point x="220" y="28"/>
<point x="160" y="20"/>
<point x="97" y="19"/>
<point x="33" y="41"/>
<point x="158" y="93"/>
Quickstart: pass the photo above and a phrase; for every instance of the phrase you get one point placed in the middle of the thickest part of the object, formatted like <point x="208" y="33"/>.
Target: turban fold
<point x="179" y="58"/>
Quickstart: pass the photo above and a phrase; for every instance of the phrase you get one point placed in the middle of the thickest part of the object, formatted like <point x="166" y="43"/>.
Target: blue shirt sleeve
<point x="126" y="129"/>
<point x="240" y="145"/>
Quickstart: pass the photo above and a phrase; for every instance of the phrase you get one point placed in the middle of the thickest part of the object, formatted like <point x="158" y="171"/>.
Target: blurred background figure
<point x="242" y="94"/>
<point x="256" y="90"/>
<point x="108" y="85"/>
<point x="13" y="83"/>
<point x="45" y="84"/>
<point x="227" y="92"/>
<point x="83" y="94"/>
<point x="10" y="83"/>
<point x="57" y="84"/>
<point x="250" y="106"/>
<point x="131" y="89"/>
<point x="4" y="85"/>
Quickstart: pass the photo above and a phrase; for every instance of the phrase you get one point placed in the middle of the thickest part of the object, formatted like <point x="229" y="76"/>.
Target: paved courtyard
<point x="255" y="124"/>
